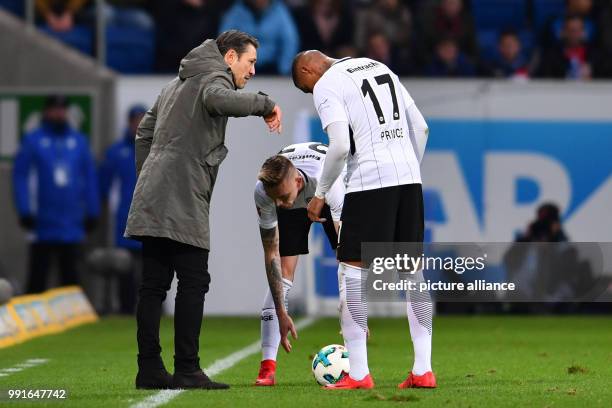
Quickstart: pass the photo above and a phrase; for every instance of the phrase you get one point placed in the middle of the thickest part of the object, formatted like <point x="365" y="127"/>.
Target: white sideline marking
<point x="164" y="396"/>
<point x="33" y="362"/>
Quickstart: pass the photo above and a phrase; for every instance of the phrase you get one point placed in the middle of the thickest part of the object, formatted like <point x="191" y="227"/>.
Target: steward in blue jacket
<point x="119" y="165"/>
<point x="56" y="194"/>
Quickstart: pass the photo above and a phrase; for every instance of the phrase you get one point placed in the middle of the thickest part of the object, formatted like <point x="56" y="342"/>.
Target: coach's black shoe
<point x="197" y="379"/>
<point x="158" y="379"/>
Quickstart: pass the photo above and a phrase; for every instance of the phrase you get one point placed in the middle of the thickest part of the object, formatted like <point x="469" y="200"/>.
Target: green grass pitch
<point x="479" y="361"/>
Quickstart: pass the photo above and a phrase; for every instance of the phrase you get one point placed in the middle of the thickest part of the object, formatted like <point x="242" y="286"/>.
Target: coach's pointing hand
<point x="285" y="325"/>
<point x="273" y="120"/>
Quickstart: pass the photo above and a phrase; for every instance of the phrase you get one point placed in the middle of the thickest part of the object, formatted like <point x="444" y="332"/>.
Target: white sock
<point x="354" y="319"/>
<point x="419" y="308"/>
<point x="270" y="334"/>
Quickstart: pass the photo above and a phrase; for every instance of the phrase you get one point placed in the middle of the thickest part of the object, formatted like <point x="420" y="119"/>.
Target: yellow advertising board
<point x="53" y="311"/>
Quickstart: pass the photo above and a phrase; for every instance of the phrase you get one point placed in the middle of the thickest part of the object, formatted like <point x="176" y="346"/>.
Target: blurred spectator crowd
<point x="434" y="38"/>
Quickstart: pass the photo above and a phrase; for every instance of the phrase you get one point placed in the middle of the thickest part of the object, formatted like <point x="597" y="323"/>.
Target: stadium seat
<point x="130" y="50"/>
<point x="80" y="37"/>
<point x="487" y="44"/>
<point x="13" y="6"/>
<point x="499" y="14"/>
<point x="545" y="9"/>
<point x="528" y="41"/>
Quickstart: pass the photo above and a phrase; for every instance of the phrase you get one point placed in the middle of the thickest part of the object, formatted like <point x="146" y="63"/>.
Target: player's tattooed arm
<point x="269" y="239"/>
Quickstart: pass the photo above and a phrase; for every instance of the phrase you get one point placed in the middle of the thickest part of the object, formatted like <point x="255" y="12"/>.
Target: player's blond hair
<point x="274" y="170"/>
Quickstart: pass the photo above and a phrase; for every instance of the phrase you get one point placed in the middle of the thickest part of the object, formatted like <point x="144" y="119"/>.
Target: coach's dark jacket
<point x="180" y="145"/>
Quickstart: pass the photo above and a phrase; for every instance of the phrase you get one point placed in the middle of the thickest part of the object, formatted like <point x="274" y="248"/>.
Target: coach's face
<point x="285" y="194"/>
<point x="243" y="65"/>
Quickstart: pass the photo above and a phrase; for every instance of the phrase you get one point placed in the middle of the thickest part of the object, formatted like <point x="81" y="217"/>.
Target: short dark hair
<point x="294" y="67"/>
<point x="274" y="170"/>
<point x="235" y="40"/>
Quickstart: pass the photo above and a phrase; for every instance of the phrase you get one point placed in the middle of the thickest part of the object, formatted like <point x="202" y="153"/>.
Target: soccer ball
<point x="330" y="363"/>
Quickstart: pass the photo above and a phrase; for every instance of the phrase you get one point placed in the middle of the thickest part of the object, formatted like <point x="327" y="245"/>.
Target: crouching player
<point x="286" y="183"/>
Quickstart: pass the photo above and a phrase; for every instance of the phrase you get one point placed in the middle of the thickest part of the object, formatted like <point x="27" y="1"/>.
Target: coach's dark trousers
<point x="161" y="258"/>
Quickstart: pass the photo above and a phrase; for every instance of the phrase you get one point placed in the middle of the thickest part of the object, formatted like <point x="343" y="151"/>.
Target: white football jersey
<point x="369" y="96"/>
<point x="308" y="158"/>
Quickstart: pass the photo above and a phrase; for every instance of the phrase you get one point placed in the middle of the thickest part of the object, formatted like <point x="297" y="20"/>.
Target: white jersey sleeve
<point x="329" y="103"/>
<point x="266" y="210"/>
<point x="335" y="198"/>
<point x="408" y="101"/>
<point x="417" y="127"/>
<point x="335" y="160"/>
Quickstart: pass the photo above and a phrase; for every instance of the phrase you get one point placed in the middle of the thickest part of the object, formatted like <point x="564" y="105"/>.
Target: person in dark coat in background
<point x="180" y="26"/>
<point x="179" y="148"/>
<point x="449" y="61"/>
<point x="66" y="204"/>
<point x="510" y="61"/>
<point x="325" y="25"/>
<point x="447" y="19"/>
<point x="573" y="57"/>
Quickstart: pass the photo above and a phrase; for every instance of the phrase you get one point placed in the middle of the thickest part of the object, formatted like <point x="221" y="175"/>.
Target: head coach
<point x="179" y="147"/>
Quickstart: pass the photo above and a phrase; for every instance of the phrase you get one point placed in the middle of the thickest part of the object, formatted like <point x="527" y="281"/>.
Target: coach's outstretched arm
<point x="221" y="99"/>
<point x="144" y="136"/>
<point x="269" y="240"/>
<point x="339" y="147"/>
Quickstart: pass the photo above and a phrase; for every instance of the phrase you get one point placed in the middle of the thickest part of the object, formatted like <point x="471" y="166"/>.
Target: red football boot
<point x="427" y="380"/>
<point x="347" y="383"/>
<point x="267" y="372"/>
